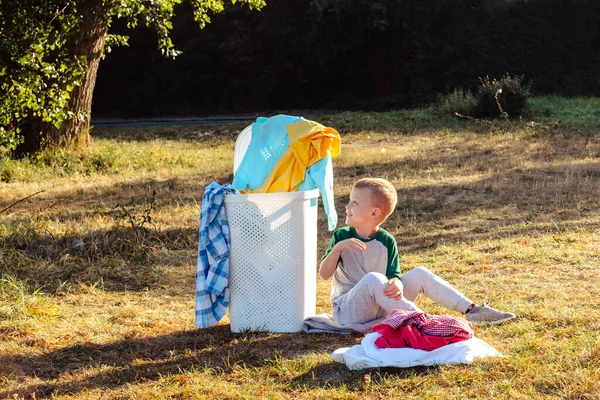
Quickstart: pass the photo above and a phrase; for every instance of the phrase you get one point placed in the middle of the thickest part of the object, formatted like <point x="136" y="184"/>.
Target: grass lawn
<point x="97" y="302"/>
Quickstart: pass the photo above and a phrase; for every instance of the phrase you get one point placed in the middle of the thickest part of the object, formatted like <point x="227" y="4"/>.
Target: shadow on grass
<point x="216" y="350"/>
<point x="118" y="259"/>
<point x="516" y="202"/>
<point x="334" y="375"/>
<point x="114" y="252"/>
<point x="104" y="200"/>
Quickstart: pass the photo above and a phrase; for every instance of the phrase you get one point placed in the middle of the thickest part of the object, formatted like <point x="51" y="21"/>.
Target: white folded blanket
<point x="367" y="355"/>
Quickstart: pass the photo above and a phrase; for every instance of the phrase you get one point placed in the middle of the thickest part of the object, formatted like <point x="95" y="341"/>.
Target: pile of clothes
<point x="408" y="339"/>
<point x="416" y="330"/>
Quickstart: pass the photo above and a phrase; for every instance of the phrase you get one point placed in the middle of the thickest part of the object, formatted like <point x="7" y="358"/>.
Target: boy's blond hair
<point x="383" y="194"/>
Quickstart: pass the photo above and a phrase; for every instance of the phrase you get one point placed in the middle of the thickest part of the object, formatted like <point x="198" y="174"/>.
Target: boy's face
<point x="360" y="209"/>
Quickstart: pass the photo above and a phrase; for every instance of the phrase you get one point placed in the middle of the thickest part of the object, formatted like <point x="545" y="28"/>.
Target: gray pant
<point x="366" y="301"/>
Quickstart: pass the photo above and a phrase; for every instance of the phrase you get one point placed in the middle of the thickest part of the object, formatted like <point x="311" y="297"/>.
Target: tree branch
<point x="472" y="119"/>
<point x="60" y="12"/>
<point x="18" y="201"/>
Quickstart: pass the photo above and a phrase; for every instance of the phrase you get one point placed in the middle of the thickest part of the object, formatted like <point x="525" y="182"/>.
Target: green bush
<point x="504" y="98"/>
<point x="103" y="162"/>
<point x="60" y="162"/>
<point x="63" y="161"/>
<point x="7" y="174"/>
<point x="459" y="101"/>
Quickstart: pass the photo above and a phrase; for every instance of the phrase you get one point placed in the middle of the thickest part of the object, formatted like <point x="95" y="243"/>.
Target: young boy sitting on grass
<point x="362" y="258"/>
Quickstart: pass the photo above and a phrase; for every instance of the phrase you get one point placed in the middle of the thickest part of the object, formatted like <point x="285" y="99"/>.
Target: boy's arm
<point x="393" y="267"/>
<point x="394" y="288"/>
<point x="329" y="263"/>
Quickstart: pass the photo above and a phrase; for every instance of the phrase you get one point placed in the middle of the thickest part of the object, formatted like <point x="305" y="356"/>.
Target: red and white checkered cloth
<point x="435" y="325"/>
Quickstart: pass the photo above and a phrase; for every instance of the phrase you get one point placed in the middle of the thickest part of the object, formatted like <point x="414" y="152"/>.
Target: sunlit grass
<point x="93" y="307"/>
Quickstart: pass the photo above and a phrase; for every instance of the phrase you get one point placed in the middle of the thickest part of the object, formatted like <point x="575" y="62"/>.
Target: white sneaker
<point x="486" y="315"/>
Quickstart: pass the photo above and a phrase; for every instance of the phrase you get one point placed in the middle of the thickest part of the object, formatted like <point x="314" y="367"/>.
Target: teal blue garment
<point x="269" y="142"/>
<point x="320" y="175"/>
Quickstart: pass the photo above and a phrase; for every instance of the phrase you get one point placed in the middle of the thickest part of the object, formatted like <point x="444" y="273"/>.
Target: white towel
<point x="367" y="355"/>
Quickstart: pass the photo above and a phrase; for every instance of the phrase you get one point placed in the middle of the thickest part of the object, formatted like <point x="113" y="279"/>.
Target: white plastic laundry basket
<point x="272" y="271"/>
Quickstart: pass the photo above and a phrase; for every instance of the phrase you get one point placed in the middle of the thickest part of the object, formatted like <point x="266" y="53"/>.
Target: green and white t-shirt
<point x="381" y="255"/>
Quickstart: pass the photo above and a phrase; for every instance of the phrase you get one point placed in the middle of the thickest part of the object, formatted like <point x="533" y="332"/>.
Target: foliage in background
<point x="459" y="101"/>
<point x="505" y="98"/>
<point x="49" y="56"/>
<point x="314" y="54"/>
<point x="36" y="71"/>
<point x="501" y="98"/>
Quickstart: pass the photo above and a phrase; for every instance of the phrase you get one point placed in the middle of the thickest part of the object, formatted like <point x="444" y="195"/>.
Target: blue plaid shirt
<point x="212" y="272"/>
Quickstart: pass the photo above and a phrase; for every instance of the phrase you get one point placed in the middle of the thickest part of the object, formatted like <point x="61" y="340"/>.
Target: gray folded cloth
<point x="324" y="323"/>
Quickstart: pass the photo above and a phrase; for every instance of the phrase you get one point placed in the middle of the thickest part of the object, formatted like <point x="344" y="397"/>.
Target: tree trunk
<point x="74" y="133"/>
<point x="88" y="43"/>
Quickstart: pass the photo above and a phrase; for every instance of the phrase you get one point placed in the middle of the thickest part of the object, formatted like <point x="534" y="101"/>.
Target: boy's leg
<point x="366" y="302"/>
<point x="421" y="280"/>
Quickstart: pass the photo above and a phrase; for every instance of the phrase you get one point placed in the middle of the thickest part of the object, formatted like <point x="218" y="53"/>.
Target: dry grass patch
<point x="96" y="304"/>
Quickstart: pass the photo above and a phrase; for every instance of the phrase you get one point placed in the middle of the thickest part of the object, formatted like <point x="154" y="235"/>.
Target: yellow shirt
<point x="309" y="143"/>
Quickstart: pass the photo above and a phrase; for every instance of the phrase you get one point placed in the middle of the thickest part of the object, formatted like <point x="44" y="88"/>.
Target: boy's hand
<point x="351" y="244"/>
<point x="393" y="289"/>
